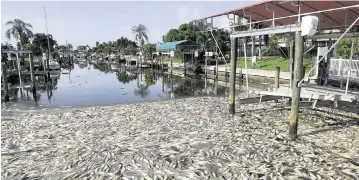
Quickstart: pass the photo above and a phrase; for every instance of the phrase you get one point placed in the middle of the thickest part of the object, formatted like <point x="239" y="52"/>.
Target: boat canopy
<point x="178" y="45"/>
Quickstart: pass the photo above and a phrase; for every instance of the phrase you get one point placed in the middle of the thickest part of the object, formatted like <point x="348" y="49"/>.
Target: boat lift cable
<point x="346" y="31"/>
<point x="219" y="49"/>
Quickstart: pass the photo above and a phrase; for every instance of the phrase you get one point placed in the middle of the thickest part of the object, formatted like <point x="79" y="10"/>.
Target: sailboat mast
<point x="47" y="33"/>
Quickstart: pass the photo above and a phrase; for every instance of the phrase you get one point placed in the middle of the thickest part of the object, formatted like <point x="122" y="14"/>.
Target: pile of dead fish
<point x="191" y="138"/>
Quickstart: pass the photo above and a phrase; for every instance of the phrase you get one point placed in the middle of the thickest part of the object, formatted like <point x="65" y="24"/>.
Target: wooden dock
<point x="313" y="93"/>
<point x="16" y="73"/>
<point x="25" y="86"/>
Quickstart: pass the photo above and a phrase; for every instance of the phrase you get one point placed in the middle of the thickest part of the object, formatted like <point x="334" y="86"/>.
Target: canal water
<point x="98" y="84"/>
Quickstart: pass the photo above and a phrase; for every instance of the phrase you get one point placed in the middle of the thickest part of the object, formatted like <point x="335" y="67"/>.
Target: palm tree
<point x="41" y="45"/>
<point x="19" y="30"/>
<point x="70" y="47"/>
<point x="140" y="32"/>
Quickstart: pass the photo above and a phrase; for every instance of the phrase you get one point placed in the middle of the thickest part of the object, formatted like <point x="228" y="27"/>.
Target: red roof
<point x="327" y="20"/>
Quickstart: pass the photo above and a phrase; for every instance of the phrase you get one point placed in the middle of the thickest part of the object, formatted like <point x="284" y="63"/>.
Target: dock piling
<point x="232" y="80"/>
<point x="276" y="77"/>
<point x="32" y="73"/>
<point x="5" y="78"/>
<point x="205" y="66"/>
<point x="298" y="70"/>
<point x="216" y="70"/>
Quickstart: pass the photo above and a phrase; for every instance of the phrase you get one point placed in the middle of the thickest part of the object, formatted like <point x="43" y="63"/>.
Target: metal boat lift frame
<point x="288" y="28"/>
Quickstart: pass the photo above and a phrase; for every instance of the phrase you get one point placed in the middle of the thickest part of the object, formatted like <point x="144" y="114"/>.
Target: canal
<point x="98" y="84"/>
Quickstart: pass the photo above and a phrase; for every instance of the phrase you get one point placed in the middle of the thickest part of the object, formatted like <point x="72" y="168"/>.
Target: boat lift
<point x="306" y="20"/>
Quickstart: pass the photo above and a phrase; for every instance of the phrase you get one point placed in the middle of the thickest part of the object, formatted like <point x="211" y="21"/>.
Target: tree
<point x="343" y="48"/>
<point x="70" y="47"/>
<point x="142" y="90"/>
<point x="124" y="78"/>
<point x="81" y="48"/>
<point x="20" y="31"/>
<point x="188" y="32"/>
<point x="140" y="32"/>
<point x="7" y="46"/>
<point x="173" y="35"/>
<point x="148" y="49"/>
<point x="40" y="45"/>
<point x="97" y="43"/>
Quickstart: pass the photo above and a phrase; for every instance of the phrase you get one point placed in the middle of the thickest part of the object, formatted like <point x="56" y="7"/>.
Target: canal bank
<point x="191" y="138"/>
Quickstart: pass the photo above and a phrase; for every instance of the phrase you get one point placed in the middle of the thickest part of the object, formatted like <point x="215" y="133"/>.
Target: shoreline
<point x="190" y="138"/>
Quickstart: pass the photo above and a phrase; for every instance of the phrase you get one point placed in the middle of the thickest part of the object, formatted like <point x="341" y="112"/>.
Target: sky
<point x="84" y="23"/>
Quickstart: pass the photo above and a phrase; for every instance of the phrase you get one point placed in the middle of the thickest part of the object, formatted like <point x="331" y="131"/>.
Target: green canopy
<point x="178" y="45"/>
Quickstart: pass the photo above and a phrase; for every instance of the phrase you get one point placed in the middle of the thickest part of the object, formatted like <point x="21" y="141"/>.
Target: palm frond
<point x="10" y="22"/>
<point x="8" y="33"/>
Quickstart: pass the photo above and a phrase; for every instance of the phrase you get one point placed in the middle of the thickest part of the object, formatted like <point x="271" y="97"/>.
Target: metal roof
<point x="334" y="15"/>
<point x="178" y="45"/>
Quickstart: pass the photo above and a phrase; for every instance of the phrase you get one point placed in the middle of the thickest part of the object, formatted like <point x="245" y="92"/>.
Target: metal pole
<point x="327" y="67"/>
<point x="260" y="48"/>
<point x="253" y="44"/>
<point x="48" y="44"/>
<point x="301" y="81"/>
<point x="298" y="70"/>
<point x="232" y="79"/>
<point x="245" y="62"/>
<point x="219" y="48"/>
<point x="350" y="67"/>
<point x="291" y="64"/>
<point x="296" y="15"/>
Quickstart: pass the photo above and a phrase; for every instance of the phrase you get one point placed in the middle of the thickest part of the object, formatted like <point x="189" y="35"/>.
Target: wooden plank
<point x="315" y="96"/>
<point x="258" y="99"/>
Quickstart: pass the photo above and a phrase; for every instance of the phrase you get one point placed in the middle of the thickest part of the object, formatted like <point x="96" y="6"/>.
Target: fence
<point x="341" y="68"/>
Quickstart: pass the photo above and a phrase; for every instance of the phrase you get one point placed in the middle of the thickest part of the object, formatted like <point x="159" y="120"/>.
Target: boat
<point x="54" y="65"/>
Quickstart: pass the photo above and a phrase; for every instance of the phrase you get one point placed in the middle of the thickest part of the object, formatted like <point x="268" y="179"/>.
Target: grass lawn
<point x="271" y="64"/>
<point x="175" y="60"/>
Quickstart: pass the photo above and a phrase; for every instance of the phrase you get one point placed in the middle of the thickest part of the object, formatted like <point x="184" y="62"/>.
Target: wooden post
<point x="291" y="62"/>
<point x="5" y="78"/>
<point x="171" y="65"/>
<point x="184" y="64"/>
<point x="162" y="63"/>
<point x="48" y="65"/>
<point x="298" y="66"/>
<point x="32" y="74"/>
<point x="205" y="65"/>
<point x="276" y="77"/>
<point x="216" y="70"/>
<point x="232" y="80"/>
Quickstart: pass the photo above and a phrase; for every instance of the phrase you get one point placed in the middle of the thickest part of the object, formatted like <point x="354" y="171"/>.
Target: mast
<point x="47" y="33"/>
